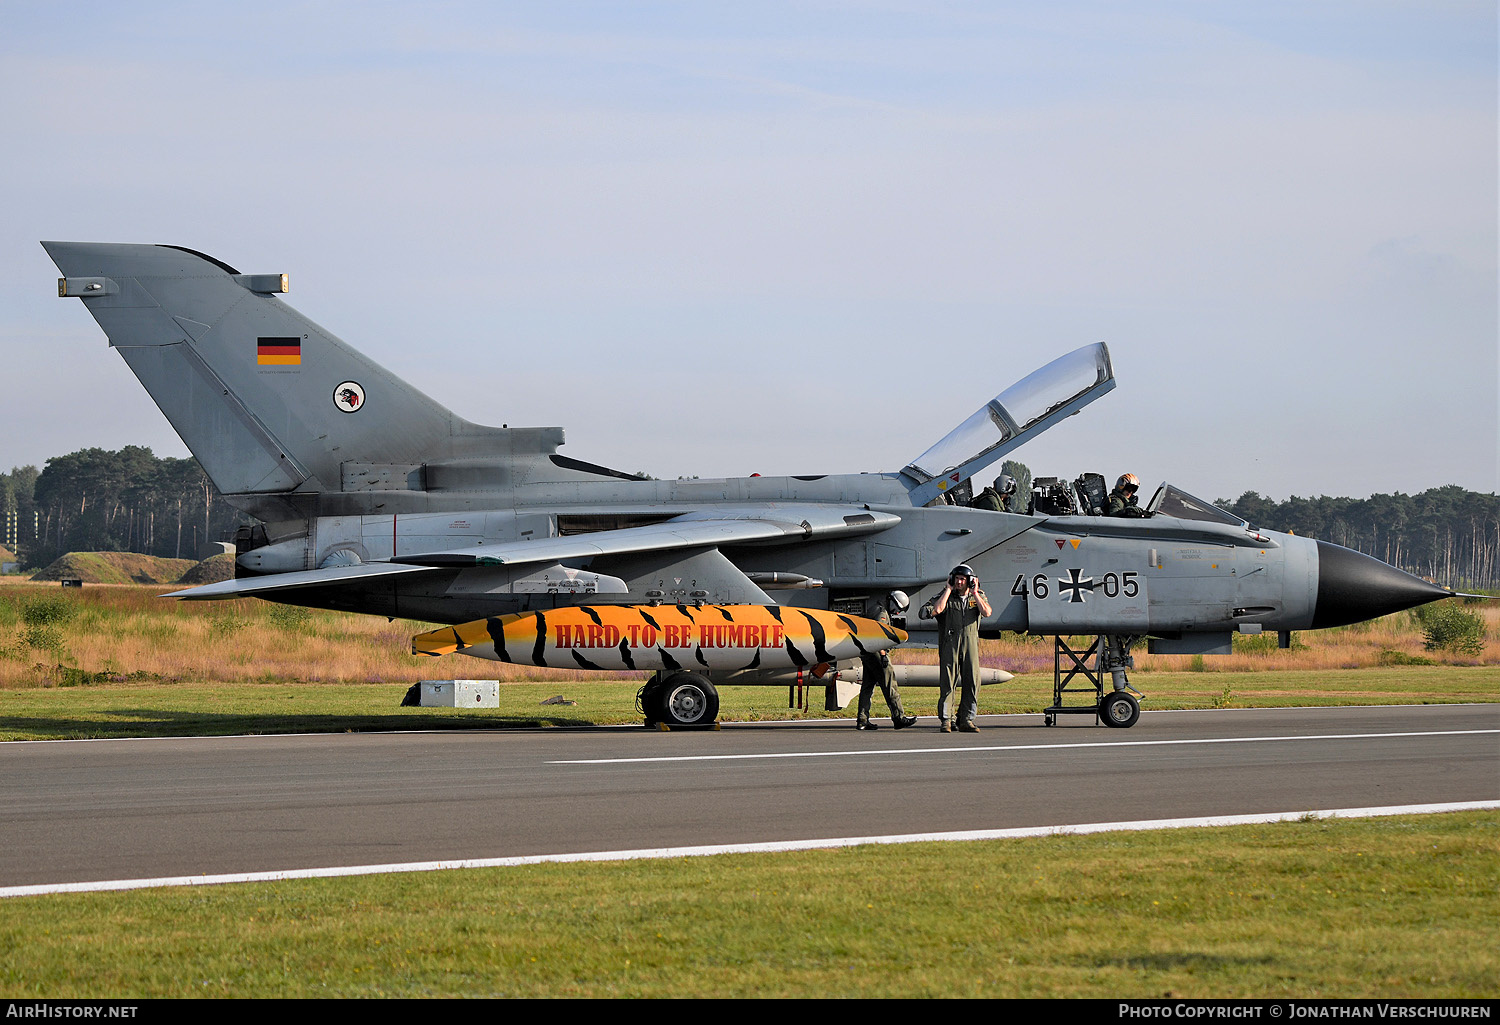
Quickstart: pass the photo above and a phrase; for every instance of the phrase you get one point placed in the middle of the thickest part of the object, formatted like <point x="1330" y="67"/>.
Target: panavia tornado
<point x="370" y="497"/>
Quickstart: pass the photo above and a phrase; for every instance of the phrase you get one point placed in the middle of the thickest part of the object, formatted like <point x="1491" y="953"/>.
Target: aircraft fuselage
<point x="1045" y="575"/>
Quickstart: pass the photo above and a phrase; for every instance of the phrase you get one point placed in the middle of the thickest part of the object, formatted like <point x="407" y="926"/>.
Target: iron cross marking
<point x="1075" y="587"/>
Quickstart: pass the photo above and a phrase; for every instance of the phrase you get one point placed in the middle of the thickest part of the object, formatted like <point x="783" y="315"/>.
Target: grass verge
<point x="1376" y="908"/>
<point x="186" y="709"/>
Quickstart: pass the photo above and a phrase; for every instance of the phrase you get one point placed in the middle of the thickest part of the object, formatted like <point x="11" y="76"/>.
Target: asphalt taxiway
<point x="75" y="811"/>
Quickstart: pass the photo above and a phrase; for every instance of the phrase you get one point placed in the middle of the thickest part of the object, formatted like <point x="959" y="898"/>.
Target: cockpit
<point x="1087" y="496"/>
<point x="943" y="474"/>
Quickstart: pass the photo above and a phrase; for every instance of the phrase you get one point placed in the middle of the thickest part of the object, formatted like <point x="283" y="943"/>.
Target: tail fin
<point x="268" y="401"/>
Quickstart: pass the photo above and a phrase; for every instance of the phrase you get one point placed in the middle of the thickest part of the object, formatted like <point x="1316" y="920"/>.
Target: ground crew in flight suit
<point x="876" y="671"/>
<point x="1122" y="498"/>
<point x="958" y="609"/>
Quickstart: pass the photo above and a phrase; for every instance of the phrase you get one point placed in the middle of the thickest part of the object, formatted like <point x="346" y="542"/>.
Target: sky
<point x="718" y="239"/>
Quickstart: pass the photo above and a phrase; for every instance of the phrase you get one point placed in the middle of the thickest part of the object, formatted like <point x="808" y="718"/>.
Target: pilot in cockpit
<point x="996" y="497"/>
<point x="1122" y="501"/>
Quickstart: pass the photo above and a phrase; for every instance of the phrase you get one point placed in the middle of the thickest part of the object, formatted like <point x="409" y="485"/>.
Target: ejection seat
<point x="1093" y="498"/>
<point x="1051" y="496"/>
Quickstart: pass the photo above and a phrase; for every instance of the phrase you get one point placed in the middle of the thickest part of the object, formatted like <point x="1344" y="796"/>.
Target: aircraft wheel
<point x="1119" y="709"/>
<point x="648" y="700"/>
<point x="1048" y="719"/>
<point x="687" y="699"/>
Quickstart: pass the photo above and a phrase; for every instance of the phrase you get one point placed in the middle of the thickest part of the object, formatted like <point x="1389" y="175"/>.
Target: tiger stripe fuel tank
<point x="714" y="637"/>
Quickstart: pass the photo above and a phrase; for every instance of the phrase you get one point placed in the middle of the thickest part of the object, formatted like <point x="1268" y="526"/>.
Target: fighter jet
<point x="371" y="497"/>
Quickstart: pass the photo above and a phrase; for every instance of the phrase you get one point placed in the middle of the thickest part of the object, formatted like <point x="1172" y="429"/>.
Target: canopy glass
<point x="1017" y="411"/>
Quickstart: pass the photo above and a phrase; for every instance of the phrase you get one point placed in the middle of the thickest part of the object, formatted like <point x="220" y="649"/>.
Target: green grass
<point x="1378" y="908"/>
<point x="89" y="708"/>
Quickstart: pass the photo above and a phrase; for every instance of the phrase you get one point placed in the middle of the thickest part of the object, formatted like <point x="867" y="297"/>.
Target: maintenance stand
<point x="1107" y="654"/>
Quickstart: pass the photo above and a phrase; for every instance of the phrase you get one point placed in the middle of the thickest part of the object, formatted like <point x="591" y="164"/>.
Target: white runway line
<point x="747" y="848"/>
<point x="1102" y="745"/>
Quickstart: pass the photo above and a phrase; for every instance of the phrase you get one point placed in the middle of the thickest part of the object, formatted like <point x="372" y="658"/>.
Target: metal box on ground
<point x="460" y="694"/>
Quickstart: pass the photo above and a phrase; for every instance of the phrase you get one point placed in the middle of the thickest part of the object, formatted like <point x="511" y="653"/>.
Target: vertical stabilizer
<point x="268" y="401"/>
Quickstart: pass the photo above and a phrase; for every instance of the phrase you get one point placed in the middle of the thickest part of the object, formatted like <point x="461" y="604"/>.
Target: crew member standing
<point x="876" y="671"/>
<point x="958" y="608"/>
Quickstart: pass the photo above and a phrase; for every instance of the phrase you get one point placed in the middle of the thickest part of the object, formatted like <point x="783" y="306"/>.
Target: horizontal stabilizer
<point x="251" y="586"/>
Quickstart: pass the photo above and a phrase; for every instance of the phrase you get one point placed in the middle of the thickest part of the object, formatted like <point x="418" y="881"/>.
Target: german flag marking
<point x="282" y="352"/>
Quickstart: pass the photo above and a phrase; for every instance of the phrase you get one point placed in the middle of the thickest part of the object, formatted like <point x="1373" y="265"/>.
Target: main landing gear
<point x="680" y="699"/>
<point x="1109" y="653"/>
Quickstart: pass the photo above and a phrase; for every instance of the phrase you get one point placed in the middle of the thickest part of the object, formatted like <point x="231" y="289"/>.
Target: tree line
<point x="1448" y="535"/>
<point x="133" y="501"/>
<point x="95" y="500"/>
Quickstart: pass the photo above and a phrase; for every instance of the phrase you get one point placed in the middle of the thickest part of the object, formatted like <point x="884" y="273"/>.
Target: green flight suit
<point x="876" y="671"/>
<point x="958" y="658"/>
<point x="1121" y="504"/>
<point x="990" y="499"/>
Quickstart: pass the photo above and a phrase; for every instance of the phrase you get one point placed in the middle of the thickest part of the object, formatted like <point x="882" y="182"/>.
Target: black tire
<point x="686" y="699"/>
<point x="648" y="700"/>
<point x="1119" y="709"/>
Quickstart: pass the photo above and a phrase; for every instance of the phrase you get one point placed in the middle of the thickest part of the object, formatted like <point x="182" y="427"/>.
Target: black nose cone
<point x="1353" y="587"/>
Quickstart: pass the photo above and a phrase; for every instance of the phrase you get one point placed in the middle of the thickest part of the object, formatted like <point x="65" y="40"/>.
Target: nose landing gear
<point x="1108" y="653"/>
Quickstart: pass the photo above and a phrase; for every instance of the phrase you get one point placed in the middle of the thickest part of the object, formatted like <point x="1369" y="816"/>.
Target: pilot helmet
<point x="897" y="602"/>
<point x="962" y="569"/>
<point x="1129" y="480"/>
<point x="1005" y="484"/>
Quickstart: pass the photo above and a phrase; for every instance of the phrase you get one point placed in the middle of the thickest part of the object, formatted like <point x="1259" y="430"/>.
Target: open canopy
<point x="1019" y="413"/>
